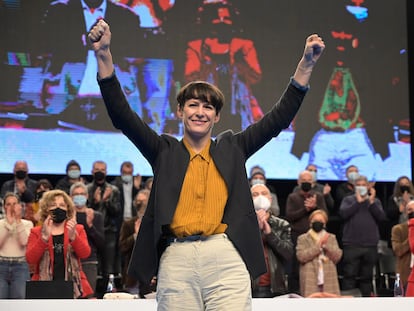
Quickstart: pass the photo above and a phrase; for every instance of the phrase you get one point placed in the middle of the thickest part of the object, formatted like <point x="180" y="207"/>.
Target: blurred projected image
<point x="356" y="111"/>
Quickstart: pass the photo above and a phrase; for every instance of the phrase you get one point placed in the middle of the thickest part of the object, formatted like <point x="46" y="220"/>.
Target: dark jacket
<point x="361" y="221"/>
<point x="169" y="160"/>
<point x="110" y="209"/>
<point x="69" y="45"/>
<point x="280" y="250"/>
<point x="119" y="184"/>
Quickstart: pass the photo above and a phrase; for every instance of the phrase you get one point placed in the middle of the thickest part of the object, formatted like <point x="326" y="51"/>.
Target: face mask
<point x="314" y="175"/>
<point x="74" y="174"/>
<point x="317" y="226"/>
<point x="306" y="186"/>
<point x="261" y="202"/>
<point x="352" y="176"/>
<point x="59" y="215"/>
<point x="404" y="189"/>
<point x="257" y="181"/>
<point x="410" y="215"/>
<point x="126" y="178"/>
<point x="79" y="200"/>
<point x="362" y="190"/>
<point x="99" y="176"/>
<point x="20" y="174"/>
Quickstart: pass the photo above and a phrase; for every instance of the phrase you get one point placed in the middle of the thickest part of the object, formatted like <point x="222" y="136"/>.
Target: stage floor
<point x="320" y="304"/>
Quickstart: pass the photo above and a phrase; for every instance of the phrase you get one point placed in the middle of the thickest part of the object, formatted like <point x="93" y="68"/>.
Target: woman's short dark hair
<point x="203" y="91"/>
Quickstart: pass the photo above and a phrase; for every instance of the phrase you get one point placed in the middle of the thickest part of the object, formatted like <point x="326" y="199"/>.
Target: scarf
<point x="72" y="270"/>
<point x="321" y="258"/>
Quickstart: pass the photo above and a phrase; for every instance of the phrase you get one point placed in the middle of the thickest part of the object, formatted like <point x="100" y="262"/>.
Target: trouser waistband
<point x="20" y="259"/>
<point x="197" y="237"/>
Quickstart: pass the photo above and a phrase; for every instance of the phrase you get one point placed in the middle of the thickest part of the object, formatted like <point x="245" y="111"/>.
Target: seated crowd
<point x="318" y="244"/>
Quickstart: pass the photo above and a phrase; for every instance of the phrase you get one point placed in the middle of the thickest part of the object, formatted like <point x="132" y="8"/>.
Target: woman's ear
<point x="179" y="112"/>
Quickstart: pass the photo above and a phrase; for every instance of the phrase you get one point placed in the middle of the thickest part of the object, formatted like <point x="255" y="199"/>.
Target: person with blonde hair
<point x="56" y="247"/>
<point x="318" y="253"/>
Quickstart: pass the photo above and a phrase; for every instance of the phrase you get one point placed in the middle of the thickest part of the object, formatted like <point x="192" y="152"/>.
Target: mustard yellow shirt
<point x="202" y="199"/>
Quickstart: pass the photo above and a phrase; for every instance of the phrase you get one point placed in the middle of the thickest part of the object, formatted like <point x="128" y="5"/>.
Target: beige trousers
<point x="203" y="275"/>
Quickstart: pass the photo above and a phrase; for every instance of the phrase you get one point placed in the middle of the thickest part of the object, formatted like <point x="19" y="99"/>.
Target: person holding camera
<point x="361" y="212"/>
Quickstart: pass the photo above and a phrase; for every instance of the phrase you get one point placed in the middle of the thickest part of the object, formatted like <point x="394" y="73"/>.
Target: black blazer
<point x="63" y="33"/>
<point x="169" y="160"/>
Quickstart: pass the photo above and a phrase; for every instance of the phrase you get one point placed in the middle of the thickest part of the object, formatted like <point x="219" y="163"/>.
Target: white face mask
<point x="126" y="178"/>
<point x="362" y="190"/>
<point x="261" y="202"/>
<point x="352" y="176"/>
<point x="257" y="181"/>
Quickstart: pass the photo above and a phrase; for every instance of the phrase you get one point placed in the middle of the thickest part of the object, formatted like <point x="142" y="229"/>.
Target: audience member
<point x="127" y="190"/>
<point x="362" y="212"/>
<point x="335" y="222"/>
<point x="73" y="175"/>
<point x="318" y="253"/>
<point x="56" y="247"/>
<point x="14" y="232"/>
<point x="32" y="210"/>
<point x="128" y="235"/>
<point x="346" y="188"/>
<point x="93" y="224"/>
<point x="21" y="184"/>
<point x="258" y="176"/>
<point x="299" y="205"/>
<point x="325" y="189"/>
<point x="395" y="208"/>
<point x="401" y="245"/>
<point x="104" y="197"/>
<point x="277" y="245"/>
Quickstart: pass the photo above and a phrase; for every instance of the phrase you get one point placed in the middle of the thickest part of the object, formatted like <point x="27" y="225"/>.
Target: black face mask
<point x="20" y="174"/>
<point x="404" y="189"/>
<point x="306" y="186"/>
<point x="99" y="176"/>
<point x="317" y="226"/>
<point x="410" y="215"/>
<point x="59" y="215"/>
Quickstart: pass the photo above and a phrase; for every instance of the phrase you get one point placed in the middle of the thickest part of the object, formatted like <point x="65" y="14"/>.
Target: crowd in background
<point x="323" y="240"/>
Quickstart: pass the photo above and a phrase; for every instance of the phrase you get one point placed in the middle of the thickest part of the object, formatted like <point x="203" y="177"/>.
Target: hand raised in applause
<point x="71" y="228"/>
<point x="90" y="215"/>
<point x="310" y="202"/>
<point x="47" y="228"/>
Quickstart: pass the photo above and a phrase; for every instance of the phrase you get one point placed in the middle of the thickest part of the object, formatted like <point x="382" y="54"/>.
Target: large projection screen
<point x="356" y="111"/>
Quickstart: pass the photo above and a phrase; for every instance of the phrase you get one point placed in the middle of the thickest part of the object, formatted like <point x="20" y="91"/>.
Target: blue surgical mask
<point x="362" y="190"/>
<point x="126" y="178"/>
<point x="352" y="176"/>
<point x="314" y="175"/>
<point x="74" y="174"/>
<point x="79" y="200"/>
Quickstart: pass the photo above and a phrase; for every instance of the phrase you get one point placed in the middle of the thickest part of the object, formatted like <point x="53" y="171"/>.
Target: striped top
<point x="202" y="199"/>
